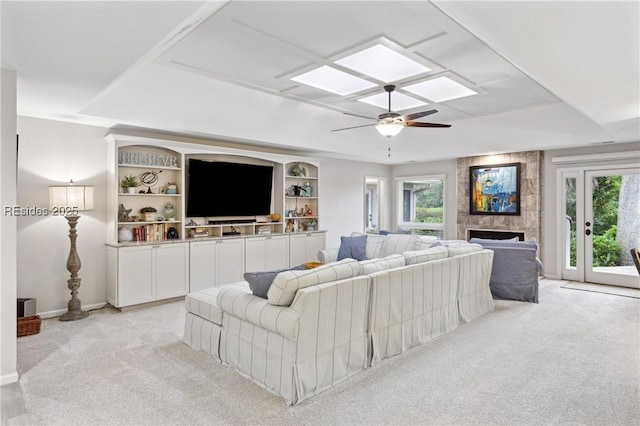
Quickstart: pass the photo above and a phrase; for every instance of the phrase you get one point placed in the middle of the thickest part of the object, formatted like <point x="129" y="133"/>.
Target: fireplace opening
<point x="494" y="235"/>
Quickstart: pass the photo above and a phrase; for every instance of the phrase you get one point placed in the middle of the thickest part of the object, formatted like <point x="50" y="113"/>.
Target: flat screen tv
<point x="222" y="189"/>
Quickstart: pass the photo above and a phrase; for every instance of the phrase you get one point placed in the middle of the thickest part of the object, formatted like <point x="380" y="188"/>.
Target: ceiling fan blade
<point x="361" y="116"/>
<point x="419" y="124"/>
<point x="354" y="127"/>
<point x="415" y="115"/>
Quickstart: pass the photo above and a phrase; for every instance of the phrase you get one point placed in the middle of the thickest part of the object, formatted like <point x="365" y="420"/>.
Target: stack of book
<point x="152" y="232"/>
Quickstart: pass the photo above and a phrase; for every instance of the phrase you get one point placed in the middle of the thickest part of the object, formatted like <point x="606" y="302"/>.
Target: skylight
<point x="440" y="89"/>
<point x="399" y="102"/>
<point x="333" y="80"/>
<point x="383" y="64"/>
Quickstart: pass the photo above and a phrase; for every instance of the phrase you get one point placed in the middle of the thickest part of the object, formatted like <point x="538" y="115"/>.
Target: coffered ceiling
<point x="545" y="74"/>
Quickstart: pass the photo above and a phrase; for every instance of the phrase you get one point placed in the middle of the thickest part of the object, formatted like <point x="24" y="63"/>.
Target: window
<point x="421" y="205"/>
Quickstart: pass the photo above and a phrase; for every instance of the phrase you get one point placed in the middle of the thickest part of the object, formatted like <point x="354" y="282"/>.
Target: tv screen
<point x="216" y="188"/>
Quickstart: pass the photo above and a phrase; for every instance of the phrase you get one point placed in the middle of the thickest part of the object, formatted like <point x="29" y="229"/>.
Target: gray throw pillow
<point x="259" y="282"/>
<point x="353" y="247"/>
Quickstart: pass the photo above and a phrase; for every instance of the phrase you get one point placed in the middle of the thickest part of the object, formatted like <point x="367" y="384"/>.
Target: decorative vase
<point x="124" y="234"/>
<point x="169" y="211"/>
<point x="130" y="190"/>
<point x="172" y="234"/>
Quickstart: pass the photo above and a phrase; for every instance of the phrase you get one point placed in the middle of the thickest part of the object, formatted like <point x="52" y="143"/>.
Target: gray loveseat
<point x="515" y="270"/>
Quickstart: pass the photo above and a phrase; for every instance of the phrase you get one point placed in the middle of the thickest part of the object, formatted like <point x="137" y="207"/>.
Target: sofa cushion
<point x="375" y="243"/>
<point x="399" y="243"/>
<point x="286" y="284"/>
<point x="464" y="249"/>
<point x="426" y="255"/>
<point x="506" y="243"/>
<point x="375" y="265"/>
<point x="488" y="243"/>
<point x="452" y="243"/>
<point x="353" y="247"/>
<point x="427" y="241"/>
<point x="204" y="304"/>
<point x="259" y="282"/>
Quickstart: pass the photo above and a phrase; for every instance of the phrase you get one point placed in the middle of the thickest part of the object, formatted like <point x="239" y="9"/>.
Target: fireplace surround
<point x="528" y="222"/>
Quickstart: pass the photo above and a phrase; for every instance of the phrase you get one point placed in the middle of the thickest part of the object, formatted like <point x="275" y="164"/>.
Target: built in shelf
<point x="144" y="166"/>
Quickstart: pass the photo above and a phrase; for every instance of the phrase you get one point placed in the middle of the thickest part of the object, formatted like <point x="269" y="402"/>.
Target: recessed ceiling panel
<point x="333" y="80"/>
<point x="383" y="64"/>
<point x="234" y="52"/>
<point x="440" y="89"/>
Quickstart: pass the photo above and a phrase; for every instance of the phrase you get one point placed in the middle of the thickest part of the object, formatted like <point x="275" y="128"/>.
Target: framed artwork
<point x="495" y="189"/>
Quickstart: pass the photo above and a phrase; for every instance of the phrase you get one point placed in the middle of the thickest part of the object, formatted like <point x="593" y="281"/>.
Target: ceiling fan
<point x="391" y="123"/>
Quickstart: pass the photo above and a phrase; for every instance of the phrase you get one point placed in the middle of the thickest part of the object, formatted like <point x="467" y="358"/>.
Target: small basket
<point x="29" y="325"/>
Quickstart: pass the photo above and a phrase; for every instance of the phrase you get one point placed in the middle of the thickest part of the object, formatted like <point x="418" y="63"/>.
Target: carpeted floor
<point x="574" y="358"/>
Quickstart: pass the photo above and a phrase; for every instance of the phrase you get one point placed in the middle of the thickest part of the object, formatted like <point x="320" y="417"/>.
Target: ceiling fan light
<point x="389" y="129"/>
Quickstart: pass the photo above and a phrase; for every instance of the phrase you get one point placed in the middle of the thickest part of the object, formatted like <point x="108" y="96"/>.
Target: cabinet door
<point x="298" y="250"/>
<point x="201" y="265"/>
<point x="172" y="275"/>
<point x="230" y="261"/>
<point x="256" y="254"/>
<point x="304" y="247"/>
<point x="315" y="243"/>
<point x="135" y="275"/>
<point x="277" y="252"/>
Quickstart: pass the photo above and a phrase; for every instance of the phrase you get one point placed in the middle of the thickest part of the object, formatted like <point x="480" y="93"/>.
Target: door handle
<point x="588" y="232"/>
<point x="588" y="224"/>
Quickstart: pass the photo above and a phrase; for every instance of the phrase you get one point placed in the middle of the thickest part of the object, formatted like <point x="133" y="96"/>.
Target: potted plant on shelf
<point x="129" y="183"/>
<point x="149" y="213"/>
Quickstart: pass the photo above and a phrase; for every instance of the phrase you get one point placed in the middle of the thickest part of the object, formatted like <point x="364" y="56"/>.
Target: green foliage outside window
<point x="606" y="191"/>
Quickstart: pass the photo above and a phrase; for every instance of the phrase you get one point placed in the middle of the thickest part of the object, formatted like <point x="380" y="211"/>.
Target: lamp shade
<point x="389" y="128"/>
<point x="77" y="197"/>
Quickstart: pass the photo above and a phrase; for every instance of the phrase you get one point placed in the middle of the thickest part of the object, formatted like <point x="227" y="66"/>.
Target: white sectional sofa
<point x="319" y="326"/>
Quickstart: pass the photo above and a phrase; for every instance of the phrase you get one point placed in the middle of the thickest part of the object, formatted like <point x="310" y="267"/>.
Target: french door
<point x="599" y="224"/>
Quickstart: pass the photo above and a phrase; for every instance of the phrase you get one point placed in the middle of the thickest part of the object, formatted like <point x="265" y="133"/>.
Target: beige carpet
<point x="574" y="358"/>
<point x="606" y="289"/>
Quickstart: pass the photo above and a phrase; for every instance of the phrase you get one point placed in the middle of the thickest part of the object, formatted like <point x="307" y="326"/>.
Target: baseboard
<point x="9" y="378"/>
<point x="58" y="312"/>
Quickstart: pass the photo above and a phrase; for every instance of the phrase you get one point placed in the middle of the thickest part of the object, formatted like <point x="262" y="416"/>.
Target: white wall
<point x="342" y="196"/>
<point x="8" y="340"/>
<point x="552" y="245"/>
<point x="447" y="168"/>
<point x="53" y="152"/>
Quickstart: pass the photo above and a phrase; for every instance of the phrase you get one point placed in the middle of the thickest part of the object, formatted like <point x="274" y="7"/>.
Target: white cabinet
<point x="146" y="273"/>
<point x="304" y="247"/>
<point x="267" y="253"/>
<point x="216" y="262"/>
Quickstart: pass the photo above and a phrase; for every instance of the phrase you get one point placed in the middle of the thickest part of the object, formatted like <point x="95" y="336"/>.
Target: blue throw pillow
<point x="353" y="247"/>
<point x="259" y="282"/>
<point x="385" y="232"/>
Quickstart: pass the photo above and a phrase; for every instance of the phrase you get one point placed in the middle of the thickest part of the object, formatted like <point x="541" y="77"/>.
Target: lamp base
<point x="74" y="315"/>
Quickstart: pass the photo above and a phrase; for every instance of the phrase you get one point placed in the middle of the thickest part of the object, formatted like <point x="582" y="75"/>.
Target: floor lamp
<point x="67" y="201"/>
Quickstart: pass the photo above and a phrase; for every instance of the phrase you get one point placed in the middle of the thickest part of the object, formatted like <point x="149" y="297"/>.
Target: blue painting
<point x="495" y="189"/>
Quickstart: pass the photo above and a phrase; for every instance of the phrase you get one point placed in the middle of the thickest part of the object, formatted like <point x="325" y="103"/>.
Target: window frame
<point x="401" y="224"/>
